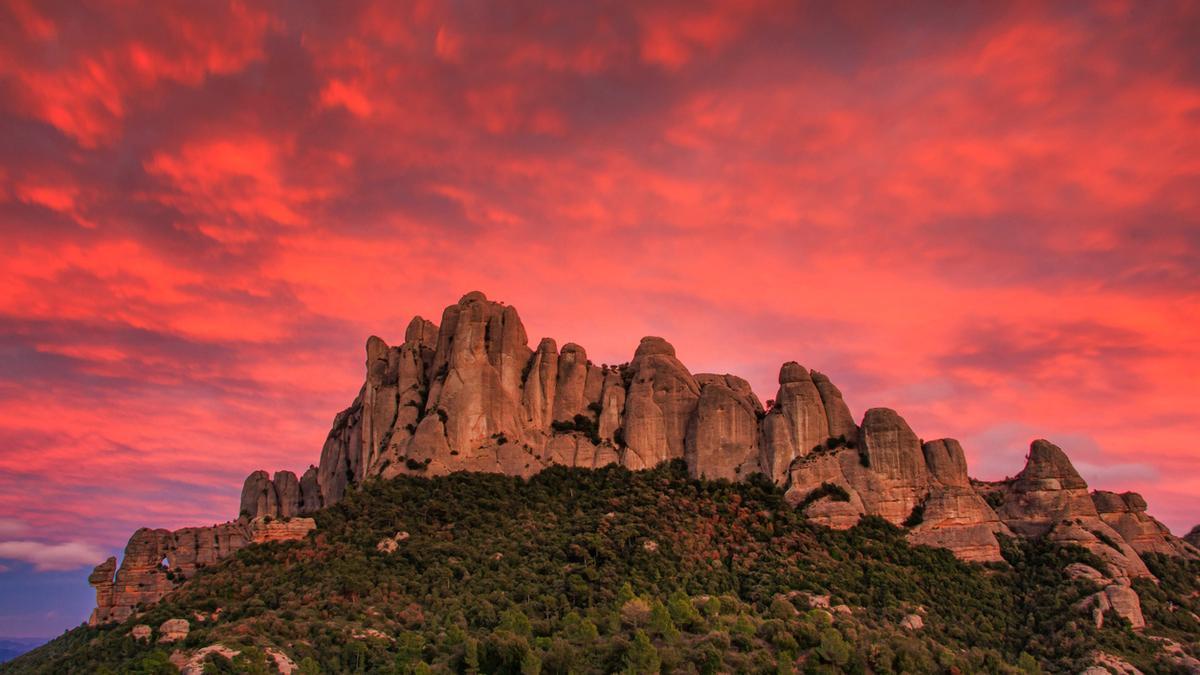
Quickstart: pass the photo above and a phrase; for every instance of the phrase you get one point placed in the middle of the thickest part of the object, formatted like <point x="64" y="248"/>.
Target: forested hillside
<point x="577" y="571"/>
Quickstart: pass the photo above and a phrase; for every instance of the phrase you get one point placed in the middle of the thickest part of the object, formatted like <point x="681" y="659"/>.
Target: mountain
<point x="11" y="648"/>
<point x="470" y="395"/>
<point x="604" y="570"/>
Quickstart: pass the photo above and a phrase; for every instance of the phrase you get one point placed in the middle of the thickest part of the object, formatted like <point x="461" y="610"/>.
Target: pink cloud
<point x="987" y="221"/>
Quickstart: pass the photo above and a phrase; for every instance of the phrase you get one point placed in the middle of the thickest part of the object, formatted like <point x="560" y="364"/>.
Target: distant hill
<point x="11" y="648"/>
<point x="580" y="570"/>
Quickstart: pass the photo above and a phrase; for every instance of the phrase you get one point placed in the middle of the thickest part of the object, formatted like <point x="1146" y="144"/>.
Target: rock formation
<point x="1126" y="513"/>
<point x="156" y="561"/>
<point x="1193" y="537"/>
<point x="1049" y="498"/>
<point x="470" y="394"/>
<point x="891" y="474"/>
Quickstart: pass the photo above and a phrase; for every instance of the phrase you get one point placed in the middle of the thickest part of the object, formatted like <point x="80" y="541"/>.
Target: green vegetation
<point x="582" y="424"/>
<point x="579" y="571"/>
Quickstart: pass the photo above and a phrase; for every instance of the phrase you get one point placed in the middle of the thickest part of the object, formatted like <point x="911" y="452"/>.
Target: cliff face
<point x="156" y="561"/>
<point x="472" y="395"/>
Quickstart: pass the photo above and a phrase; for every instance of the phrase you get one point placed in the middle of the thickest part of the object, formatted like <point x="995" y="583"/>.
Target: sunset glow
<point x="985" y="217"/>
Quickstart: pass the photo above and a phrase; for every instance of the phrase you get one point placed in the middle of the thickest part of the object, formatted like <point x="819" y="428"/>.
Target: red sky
<point x="984" y="216"/>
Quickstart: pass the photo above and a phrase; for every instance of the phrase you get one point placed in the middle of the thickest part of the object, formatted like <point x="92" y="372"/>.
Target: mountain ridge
<point x="470" y="394"/>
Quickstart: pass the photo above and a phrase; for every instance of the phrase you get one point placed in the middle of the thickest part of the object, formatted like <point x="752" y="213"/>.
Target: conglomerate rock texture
<point x="470" y="394"/>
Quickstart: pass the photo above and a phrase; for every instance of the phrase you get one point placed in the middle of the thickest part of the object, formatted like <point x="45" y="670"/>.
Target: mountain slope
<point x="576" y="570"/>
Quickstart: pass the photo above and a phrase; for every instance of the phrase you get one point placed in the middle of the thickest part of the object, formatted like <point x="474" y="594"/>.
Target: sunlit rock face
<point x="471" y="394"/>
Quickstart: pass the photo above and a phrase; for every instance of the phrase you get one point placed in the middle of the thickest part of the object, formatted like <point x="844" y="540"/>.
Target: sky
<point x="984" y="215"/>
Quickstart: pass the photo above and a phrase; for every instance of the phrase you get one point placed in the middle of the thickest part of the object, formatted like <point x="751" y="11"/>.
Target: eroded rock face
<point x="795" y="425"/>
<point x="1193" y="537"/>
<point x="470" y="394"/>
<point x="1126" y="513"/>
<point x="722" y="434"/>
<point x="258" y="496"/>
<point x="1049" y="498"/>
<point x="891" y="474"/>
<point x="156" y="561"/>
<point x="660" y="401"/>
<point x="1121" y="599"/>
<point x="841" y="422"/>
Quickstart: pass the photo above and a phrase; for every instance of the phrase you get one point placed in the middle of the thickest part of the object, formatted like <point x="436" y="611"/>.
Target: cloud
<point x="984" y="217"/>
<point x="11" y="526"/>
<point x="52" y="557"/>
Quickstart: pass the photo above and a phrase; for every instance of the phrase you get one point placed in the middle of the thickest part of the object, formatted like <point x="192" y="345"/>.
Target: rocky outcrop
<point x="795" y="425"/>
<point x="471" y="394"/>
<point x="1126" y="513"/>
<point x="173" y="630"/>
<point x="1193" y="537"/>
<point x="156" y="561"/>
<point x="891" y="474"/>
<point x="722" y="435"/>
<point x="1049" y="498"/>
<point x="661" y="397"/>
<point x="1117" y="598"/>
<point x="841" y="422"/>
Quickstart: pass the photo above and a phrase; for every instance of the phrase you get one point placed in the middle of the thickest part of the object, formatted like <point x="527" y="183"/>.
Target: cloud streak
<point x="51" y="557"/>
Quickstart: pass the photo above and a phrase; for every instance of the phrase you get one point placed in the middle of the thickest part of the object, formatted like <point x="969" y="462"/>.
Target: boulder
<point x="1119" y="598"/>
<point x="912" y="622"/>
<point x="140" y="632"/>
<point x="173" y="630"/>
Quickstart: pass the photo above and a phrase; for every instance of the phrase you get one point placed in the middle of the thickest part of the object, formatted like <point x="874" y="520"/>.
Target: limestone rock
<point x="194" y="664"/>
<point x="612" y="405"/>
<point x="287" y="491"/>
<point x="475" y="392"/>
<point x="841" y="422"/>
<point x="1121" y="599"/>
<point x="258" y="496"/>
<point x="140" y="632"/>
<point x="283" y="663"/>
<point x="1126" y="513"/>
<point x="263" y="530"/>
<point x="659" y="403"/>
<point x="310" y="491"/>
<point x="1050" y="498"/>
<point x="722" y="434"/>
<point x="903" y="484"/>
<point x="173" y="630"/>
<point x="101" y="579"/>
<point x="1081" y="571"/>
<point x="142" y="577"/>
<point x="947" y="462"/>
<point x="540" y="384"/>
<point x="795" y="425"/>
<point x="891" y="448"/>
<point x="1193" y="537"/>
<point x="569" y="399"/>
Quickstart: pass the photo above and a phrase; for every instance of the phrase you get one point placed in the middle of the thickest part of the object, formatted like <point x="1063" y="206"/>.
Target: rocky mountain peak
<point x="470" y="394"/>
<point x="1047" y="462"/>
